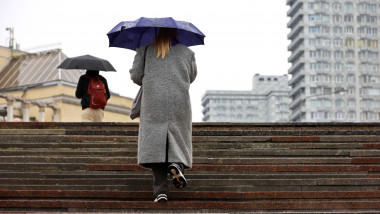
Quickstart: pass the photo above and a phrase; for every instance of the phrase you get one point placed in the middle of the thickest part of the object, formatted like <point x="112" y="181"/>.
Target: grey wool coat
<point x="165" y="130"/>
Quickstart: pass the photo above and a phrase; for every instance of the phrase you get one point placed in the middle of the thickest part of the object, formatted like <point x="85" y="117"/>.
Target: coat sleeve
<point x="79" y="92"/>
<point x="137" y="70"/>
<point x="193" y="70"/>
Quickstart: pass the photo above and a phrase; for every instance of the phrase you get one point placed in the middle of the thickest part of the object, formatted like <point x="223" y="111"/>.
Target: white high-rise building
<point x="268" y="101"/>
<point x="334" y="47"/>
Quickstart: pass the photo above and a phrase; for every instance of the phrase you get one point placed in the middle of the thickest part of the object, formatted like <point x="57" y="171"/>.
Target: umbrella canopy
<point x="141" y="32"/>
<point x="87" y="62"/>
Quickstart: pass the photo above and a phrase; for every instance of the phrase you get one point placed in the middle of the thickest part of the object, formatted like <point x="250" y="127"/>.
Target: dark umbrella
<point x="141" y="32"/>
<point x="87" y="62"/>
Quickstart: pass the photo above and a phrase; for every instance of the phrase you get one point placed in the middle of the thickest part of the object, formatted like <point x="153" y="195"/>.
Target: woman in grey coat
<point x="165" y="131"/>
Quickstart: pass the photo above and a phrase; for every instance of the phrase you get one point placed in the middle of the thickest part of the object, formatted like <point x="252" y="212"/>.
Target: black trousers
<point x="160" y="180"/>
<point x="160" y="175"/>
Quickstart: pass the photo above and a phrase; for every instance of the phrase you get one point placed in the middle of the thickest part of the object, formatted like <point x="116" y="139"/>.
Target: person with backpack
<point x="93" y="89"/>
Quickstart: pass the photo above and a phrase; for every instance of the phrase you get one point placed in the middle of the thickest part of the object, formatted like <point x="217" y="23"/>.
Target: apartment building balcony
<point x="205" y="102"/>
<point x="296" y="53"/>
<point x="297" y="17"/>
<point x="296" y="77"/>
<point x="298" y="99"/>
<point x="296" y="41"/>
<point x="296" y="114"/>
<point x="298" y="28"/>
<point x="295" y="5"/>
<point x="206" y="110"/>
<point x="366" y="60"/>
<point x="296" y="65"/>
<point x="205" y="117"/>
<point x="297" y="88"/>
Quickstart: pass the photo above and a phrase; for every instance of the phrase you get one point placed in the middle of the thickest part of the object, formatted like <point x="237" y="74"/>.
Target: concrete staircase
<point x="263" y="168"/>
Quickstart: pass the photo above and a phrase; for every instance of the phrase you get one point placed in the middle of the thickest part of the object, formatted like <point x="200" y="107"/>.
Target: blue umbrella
<point x="141" y="32"/>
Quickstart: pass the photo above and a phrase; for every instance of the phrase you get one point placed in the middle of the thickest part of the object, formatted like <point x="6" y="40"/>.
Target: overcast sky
<point x="243" y="37"/>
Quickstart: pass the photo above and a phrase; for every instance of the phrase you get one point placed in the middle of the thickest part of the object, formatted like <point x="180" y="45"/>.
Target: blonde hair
<point x="163" y="40"/>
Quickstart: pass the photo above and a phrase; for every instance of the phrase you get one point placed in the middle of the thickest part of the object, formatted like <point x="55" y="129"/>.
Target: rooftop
<point x="36" y="68"/>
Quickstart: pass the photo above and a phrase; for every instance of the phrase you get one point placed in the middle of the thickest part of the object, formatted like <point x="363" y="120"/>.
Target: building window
<point x="350" y="67"/>
<point x="349" y="30"/>
<point x="326" y="30"/>
<point x="339" y="78"/>
<point x="349" y="42"/>
<point x="325" y="18"/>
<point x="350" y="54"/>
<point x="337" y="18"/>
<point x="314" y="90"/>
<point x="348" y="6"/>
<point x="313" y="29"/>
<point x="339" y="103"/>
<point x="351" y="115"/>
<point x="338" y="54"/>
<point x="363" y="91"/>
<point x="339" y="115"/>
<point x="327" y="103"/>
<point x="351" y="103"/>
<point x="316" y="115"/>
<point x="338" y="66"/>
<point x="337" y="30"/>
<point x="313" y="17"/>
<point x="348" y="18"/>
<point x="338" y="42"/>
<point x="351" y="91"/>
<point x="373" y="91"/>
<point x="337" y="6"/>
<point x="316" y="103"/>
<point x="261" y="79"/>
<point x="351" y="78"/>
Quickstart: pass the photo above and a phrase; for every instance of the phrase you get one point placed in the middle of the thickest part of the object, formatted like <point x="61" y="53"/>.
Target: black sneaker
<point x="161" y="198"/>
<point x="176" y="172"/>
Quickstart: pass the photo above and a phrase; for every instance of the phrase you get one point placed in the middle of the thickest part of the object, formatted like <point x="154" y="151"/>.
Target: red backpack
<point x="97" y="91"/>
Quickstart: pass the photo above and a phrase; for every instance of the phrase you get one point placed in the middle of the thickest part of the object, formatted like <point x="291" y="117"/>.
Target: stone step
<point x="61" y="174"/>
<point x="72" y="145"/>
<point x="32" y="131"/>
<point x="148" y="187"/>
<point x="270" y="138"/>
<point x="196" y="145"/>
<point x="187" y="195"/>
<point x="207" y="181"/>
<point x="196" y="160"/>
<point x="178" y="206"/>
<point x="225" y="126"/>
<point x="234" y="132"/>
<point x="250" y="168"/>
<point x="219" y="153"/>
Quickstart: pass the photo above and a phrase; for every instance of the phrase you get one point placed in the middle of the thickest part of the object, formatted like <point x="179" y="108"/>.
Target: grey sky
<point x="243" y="37"/>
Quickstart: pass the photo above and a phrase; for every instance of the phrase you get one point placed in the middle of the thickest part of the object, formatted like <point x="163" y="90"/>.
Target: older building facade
<point x="334" y="47"/>
<point x="268" y="101"/>
<point x="32" y="88"/>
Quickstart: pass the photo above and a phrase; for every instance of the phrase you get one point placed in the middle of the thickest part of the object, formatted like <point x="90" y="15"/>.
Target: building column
<point x="56" y="114"/>
<point x="25" y="111"/>
<point x="41" y="115"/>
<point x="10" y="110"/>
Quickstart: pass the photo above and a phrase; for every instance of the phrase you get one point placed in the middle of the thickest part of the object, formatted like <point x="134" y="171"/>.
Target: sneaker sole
<point x="178" y="178"/>
<point x="161" y="199"/>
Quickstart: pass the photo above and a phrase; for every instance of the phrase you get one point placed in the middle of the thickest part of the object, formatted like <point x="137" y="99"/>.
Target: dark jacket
<point x="82" y="88"/>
